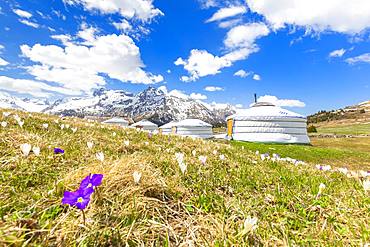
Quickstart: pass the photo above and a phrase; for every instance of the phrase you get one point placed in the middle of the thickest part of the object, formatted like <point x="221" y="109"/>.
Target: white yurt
<point x="145" y="125"/>
<point x="265" y="122"/>
<point x="193" y="128"/>
<point x="167" y="128"/>
<point x="117" y="121"/>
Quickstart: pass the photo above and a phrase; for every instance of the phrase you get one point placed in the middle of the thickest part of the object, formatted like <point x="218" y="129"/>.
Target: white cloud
<point x="317" y="15"/>
<point x="242" y="73"/>
<point x="364" y="58"/>
<point x="213" y="89"/>
<point x="256" y="77"/>
<point x="202" y="63"/>
<point x="281" y="102"/>
<point x="208" y="3"/>
<point x="29" y="23"/>
<point x="178" y="94"/>
<point x="64" y="38"/>
<point x="198" y="96"/>
<point x="163" y="89"/>
<point x="3" y="62"/>
<point x="169" y="71"/>
<point x="22" y="13"/>
<point x="123" y="26"/>
<point x="239" y="42"/>
<point x="337" y="53"/>
<point x="31" y="87"/>
<point x="131" y="9"/>
<point x="227" y="12"/>
<point x="229" y="23"/>
<point x="80" y="67"/>
<point x="245" y="35"/>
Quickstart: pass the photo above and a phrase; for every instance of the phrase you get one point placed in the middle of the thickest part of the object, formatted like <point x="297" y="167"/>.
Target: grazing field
<point x="190" y="193"/>
<point x="345" y="129"/>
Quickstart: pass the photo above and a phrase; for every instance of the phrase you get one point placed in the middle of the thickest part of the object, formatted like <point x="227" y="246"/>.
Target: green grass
<point x="206" y="206"/>
<point x="352" y="129"/>
<point x="339" y="156"/>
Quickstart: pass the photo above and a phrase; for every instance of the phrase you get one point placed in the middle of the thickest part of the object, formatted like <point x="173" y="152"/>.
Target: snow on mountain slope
<point x="153" y="104"/>
<point x="31" y="105"/>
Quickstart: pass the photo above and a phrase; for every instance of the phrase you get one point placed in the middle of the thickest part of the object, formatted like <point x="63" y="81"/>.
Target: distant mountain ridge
<point x="152" y="103"/>
<point x="359" y="112"/>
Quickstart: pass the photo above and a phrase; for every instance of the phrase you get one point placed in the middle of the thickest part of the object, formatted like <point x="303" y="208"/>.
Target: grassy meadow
<point x="234" y="198"/>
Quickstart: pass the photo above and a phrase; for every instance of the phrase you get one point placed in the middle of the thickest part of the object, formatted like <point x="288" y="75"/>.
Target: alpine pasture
<point x="164" y="190"/>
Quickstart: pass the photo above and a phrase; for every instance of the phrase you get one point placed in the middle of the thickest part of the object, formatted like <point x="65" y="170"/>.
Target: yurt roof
<point x="264" y="110"/>
<point x="144" y="123"/>
<point x="168" y="125"/>
<point x="116" y="120"/>
<point x="192" y="123"/>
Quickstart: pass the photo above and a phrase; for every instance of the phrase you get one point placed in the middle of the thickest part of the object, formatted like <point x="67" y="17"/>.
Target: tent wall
<point x="291" y="130"/>
<point x="201" y="132"/>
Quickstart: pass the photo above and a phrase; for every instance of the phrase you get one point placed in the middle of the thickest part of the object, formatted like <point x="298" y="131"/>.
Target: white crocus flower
<point x="146" y="143"/>
<point x="45" y="125"/>
<point x="214" y="152"/>
<point x="364" y="174"/>
<point x="179" y="157"/>
<point x="343" y="170"/>
<point x="100" y="156"/>
<point x="203" y="159"/>
<point x="4" y="124"/>
<point x="36" y="150"/>
<point x="250" y="224"/>
<point x="194" y="153"/>
<point x="222" y="157"/>
<point x="126" y="142"/>
<point x="183" y="167"/>
<point x="74" y="130"/>
<point x="17" y="118"/>
<point x="90" y="145"/>
<point x="137" y="177"/>
<point x="6" y="114"/>
<point x="20" y="123"/>
<point x="67" y="126"/>
<point x="114" y="134"/>
<point x="321" y="189"/>
<point x="366" y="184"/>
<point x="26" y="148"/>
<point x="257" y="152"/>
<point x="62" y="126"/>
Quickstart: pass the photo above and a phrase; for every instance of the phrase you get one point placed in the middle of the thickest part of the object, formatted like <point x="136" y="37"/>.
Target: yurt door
<point x="230" y="127"/>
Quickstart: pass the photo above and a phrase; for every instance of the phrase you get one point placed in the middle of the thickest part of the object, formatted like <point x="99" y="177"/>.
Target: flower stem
<point x="83" y="216"/>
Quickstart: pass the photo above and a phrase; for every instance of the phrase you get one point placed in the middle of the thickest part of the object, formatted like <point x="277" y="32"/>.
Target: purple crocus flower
<point x="79" y="198"/>
<point x="150" y="135"/>
<point x="91" y="181"/>
<point x="58" y="151"/>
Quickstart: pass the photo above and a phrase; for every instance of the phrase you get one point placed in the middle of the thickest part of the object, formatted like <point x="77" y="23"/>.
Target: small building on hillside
<point x="145" y="125"/>
<point x="167" y="128"/>
<point x="265" y="122"/>
<point x="117" y="121"/>
<point x="193" y="128"/>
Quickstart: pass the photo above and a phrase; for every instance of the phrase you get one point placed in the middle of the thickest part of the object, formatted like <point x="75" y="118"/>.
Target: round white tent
<point x="193" y="128"/>
<point x="145" y="125"/>
<point x="167" y="128"/>
<point x="117" y="121"/>
<point x="264" y="122"/>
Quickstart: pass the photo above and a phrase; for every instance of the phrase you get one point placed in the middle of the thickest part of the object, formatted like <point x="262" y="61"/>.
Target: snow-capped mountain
<point x="153" y="104"/>
<point x="25" y="104"/>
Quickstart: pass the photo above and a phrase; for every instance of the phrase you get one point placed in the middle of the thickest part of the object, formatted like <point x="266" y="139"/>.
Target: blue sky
<point x="303" y="55"/>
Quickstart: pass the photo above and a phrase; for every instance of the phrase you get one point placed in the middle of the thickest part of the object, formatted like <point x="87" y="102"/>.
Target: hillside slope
<point x="236" y="199"/>
<point x="359" y="113"/>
